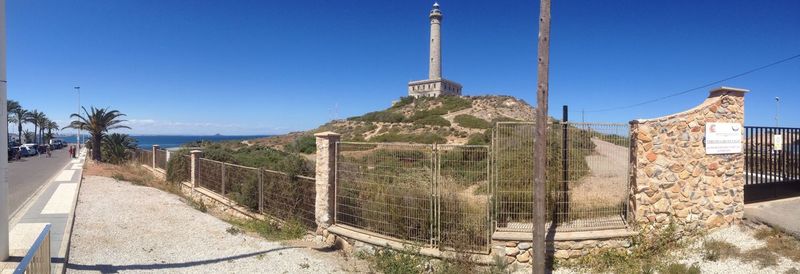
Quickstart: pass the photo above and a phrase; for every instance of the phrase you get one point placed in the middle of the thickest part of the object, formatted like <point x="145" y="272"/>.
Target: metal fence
<point x="587" y="175"/>
<point x="37" y="260"/>
<point x="161" y="159"/>
<point x="288" y="197"/>
<point x="279" y="195"/>
<point x="144" y="157"/>
<point x="433" y="195"/>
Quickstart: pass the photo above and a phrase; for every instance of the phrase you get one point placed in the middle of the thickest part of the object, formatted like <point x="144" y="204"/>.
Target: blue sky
<point x="265" y="67"/>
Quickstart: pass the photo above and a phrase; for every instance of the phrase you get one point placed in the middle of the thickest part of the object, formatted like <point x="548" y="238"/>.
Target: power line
<point x="696" y="88"/>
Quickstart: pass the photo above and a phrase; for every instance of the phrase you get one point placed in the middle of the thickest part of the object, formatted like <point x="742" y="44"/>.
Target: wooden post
<point x="155" y="151"/>
<point x="540" y="150"/>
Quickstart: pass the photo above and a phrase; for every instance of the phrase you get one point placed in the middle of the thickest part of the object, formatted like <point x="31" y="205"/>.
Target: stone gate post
<point x="155" y="149"/>
<point x="676" y="179"/>
<point x="325" y="175"/>
<point x="195" y="166"/>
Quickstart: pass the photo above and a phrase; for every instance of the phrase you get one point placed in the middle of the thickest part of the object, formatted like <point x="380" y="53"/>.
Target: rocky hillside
<point x="448" y="119"/>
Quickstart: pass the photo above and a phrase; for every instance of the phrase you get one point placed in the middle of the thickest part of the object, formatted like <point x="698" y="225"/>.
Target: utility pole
<point x="777" y="110"/>
<point x="4" y="252"/>
<point x="540" y="149"/>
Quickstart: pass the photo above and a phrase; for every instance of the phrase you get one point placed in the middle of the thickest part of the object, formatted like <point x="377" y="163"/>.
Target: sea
<point x="170" y="141"/>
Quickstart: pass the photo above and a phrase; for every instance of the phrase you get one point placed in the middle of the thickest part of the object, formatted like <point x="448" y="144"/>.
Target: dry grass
<point x="715" y="250"/>
<point x="130" y="172"/>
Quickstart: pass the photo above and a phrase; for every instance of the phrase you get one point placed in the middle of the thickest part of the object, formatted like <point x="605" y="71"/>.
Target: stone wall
<point x="674" y="178"/>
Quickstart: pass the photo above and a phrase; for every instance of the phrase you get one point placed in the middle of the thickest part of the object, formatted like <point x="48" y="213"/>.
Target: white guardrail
<point x="38" y="258"/>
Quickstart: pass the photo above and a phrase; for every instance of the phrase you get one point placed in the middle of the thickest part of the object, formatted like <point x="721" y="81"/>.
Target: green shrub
<point x="677" y="268"/>
<point x="178" y="167"/>
<point x="469" y="121"/>
<point x="305" y="144"/>
<point x="433" y="121"/>
<point x="424" y="138"/>
<point x="478" y="139"/>
<point x="380" y="116"/>
<point x="404" y="101"/>
<point x="395" y="262"/>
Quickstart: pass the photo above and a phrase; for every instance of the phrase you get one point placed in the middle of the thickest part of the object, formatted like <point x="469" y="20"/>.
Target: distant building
<point x="435" y="85"/>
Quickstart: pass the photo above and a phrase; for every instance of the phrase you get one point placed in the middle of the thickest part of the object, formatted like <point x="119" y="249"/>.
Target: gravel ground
<point x="739" y="236"/>
<point x="120" y="227"/>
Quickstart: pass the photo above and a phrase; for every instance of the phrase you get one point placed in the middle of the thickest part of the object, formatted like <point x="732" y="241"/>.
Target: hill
<point x="440" y="120"/>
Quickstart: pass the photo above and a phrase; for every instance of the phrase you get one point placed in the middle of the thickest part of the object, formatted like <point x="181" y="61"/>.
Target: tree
<point x="36" y="118"/>
<point x="97" y="123"/>
<point x="115" y="147"/>
<point x="20" y="117"/>
<point x="50" y="126"/>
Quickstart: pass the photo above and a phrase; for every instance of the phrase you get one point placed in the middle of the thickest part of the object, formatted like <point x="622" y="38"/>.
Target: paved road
<point x="27" y="175"/>
<point x="783" y="214"/>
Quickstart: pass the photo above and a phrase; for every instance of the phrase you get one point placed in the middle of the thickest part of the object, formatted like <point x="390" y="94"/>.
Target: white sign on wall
<point x="723" y="138"/>
<point x="777" y="142"/>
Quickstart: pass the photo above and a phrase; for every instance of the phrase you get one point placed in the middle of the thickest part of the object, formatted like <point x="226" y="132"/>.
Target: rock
<point x="512" y="251"/>
<point x="651" y="156"/>
<point x="524" y="246"/>
<point x="524" y="257"/>
<point x="676" y="168"/>
<point x="363" y="248"/>
<point x="684" y="174"/>
<point x="562" y="254"/>
<point x="330" y="240"/>
<point x="511" y="244"/>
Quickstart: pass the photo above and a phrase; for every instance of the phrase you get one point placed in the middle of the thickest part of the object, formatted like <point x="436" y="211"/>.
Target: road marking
<point x="61" y="201"/>
<point x="65" y="175"/>
<point x="75" y="161"/>
<point x="77" y="166"/>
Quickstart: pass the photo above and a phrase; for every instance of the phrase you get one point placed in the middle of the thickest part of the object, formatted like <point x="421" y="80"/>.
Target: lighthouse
<point x="435" y="85"/>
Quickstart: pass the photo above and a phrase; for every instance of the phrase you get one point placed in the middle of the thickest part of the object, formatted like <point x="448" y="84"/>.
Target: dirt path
<point x="121" y="227"/>
<point x="606" y="184"/>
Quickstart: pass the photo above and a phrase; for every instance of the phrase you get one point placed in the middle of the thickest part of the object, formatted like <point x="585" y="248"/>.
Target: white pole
<point x="78" y="147"/>
<point x="4" y="141"/>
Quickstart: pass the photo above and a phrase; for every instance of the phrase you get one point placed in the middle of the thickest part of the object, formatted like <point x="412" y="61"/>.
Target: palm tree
<point x="35" y="118"/>
<point x="116" y="147"/>
<point x="20" y="117"/>
<point x="97" y="123"/>
<point x="50" y="126"/>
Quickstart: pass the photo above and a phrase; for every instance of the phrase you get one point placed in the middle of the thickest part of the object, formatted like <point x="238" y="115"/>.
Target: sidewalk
<point x="55" y="205"/>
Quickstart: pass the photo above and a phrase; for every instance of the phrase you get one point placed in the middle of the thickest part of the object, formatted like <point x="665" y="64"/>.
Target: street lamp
<point x="78" y="137"/>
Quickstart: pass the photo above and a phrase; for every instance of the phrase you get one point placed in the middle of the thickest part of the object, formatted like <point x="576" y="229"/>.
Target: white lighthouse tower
<point x="435" y="85"/>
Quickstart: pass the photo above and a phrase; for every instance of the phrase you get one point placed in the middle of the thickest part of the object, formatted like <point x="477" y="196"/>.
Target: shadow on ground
<point x="105" y="268"/>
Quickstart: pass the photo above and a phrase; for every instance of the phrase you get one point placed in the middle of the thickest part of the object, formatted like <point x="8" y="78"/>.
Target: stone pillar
<point x="195" y="167"/>
<point x="325" y="179"/>
<point x="155" y="149"/>
<point x="673" y="178"/>
<point x="435" y="65"/>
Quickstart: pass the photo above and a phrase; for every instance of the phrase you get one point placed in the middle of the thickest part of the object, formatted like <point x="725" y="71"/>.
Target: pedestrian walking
<point x="71" y="149"/>
<point x="49" y="154"/>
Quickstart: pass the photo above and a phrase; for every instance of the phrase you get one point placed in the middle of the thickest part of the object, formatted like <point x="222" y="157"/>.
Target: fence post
<point x="155" y="150"/>
<point x="195" y="167"/>
<point x="325" y="179"/>
<point x="564" y="208"/>
<point x="222" y="180"/>
<point x="260" y="190"/>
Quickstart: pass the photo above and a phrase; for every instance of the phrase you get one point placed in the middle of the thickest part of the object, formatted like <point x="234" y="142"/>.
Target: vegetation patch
<point x="716" y="250"/>
<point x="469" y="121"/>
<point x="385" y="116"/>
<point x="433" y="121"/>
<point x="649" y="252"/>
<point x="271" y="230"/>
<point x="423" y="138"/>
<point x="306" y="144"/>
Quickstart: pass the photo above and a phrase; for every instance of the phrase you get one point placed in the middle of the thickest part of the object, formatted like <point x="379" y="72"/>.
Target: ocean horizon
<point x="171" y="141"/>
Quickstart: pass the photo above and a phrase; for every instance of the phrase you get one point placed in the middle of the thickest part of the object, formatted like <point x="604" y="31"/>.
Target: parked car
<point x="33" y="149"/>
<point x="25" y="152"/>
<point x="57" y="144"/>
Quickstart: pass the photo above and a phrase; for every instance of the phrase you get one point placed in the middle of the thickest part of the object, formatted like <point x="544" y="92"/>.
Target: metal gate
<point x="588" y="166"/>
<point x="772" y="164"/>
<point x="430" y="195"/>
